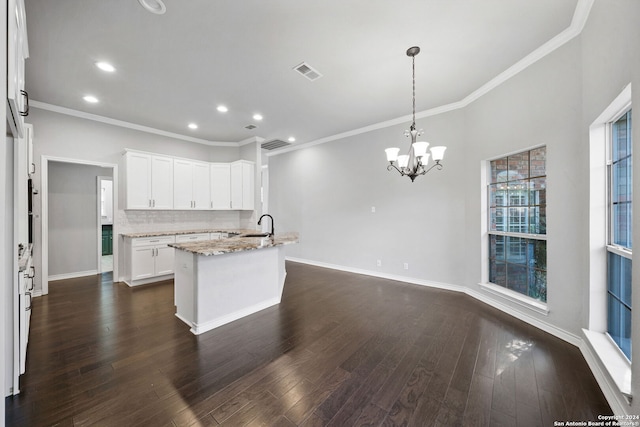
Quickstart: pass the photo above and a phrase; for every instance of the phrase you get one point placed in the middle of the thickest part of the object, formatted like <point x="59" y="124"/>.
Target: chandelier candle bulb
<point x="420" y="148"/>
<point x="403" y="161"/>
<point x="438" y="153"/>
<point x="392" y="154"/>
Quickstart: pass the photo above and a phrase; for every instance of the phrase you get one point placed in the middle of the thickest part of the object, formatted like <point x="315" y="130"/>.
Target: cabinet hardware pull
<point x="154" y="203"/>
<point x="149" y="202"/>
<point x="26" y="97"/>
<point x="34" y="168"/>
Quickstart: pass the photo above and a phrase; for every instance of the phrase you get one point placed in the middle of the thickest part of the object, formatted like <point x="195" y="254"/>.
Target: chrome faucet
<point x="260" y="220"/>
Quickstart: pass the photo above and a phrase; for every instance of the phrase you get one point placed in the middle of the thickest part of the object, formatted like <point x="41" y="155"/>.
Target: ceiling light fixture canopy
<point x="416" y="161"/>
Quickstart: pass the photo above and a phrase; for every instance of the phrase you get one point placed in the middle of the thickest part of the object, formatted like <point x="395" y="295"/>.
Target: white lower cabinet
<point x="148" y="259"/>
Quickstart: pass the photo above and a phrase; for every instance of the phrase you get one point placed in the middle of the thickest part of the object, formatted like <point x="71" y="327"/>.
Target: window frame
<point x="538" y="305"/>
<point x="610" y="246"/>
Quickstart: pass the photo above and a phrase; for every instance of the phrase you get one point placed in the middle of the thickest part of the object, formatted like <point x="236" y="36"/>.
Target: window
<point x="619" y="197"/>
<point x="517" y="223"/>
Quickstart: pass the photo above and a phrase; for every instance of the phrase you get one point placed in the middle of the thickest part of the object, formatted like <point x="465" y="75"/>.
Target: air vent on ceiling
<point x="250" y="127"/>
<point x="307" y="71"/>
<point x="273" y="144"/>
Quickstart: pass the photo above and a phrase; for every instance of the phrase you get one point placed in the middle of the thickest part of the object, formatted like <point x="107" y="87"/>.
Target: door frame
<point x="99" y="180"/>
<point x="44" y="214"/>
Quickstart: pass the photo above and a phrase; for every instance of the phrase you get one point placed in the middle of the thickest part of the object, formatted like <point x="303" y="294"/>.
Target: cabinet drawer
<point x="150" y="241"/>
<point x="182" y="238"/>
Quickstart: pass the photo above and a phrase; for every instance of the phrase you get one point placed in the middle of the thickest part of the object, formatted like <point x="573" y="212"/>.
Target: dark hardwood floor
<point x="340" y="350"/>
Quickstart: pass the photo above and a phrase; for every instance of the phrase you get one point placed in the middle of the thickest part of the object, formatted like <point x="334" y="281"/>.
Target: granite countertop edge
<point x="140" y="234"/>
<point x="236" y="244"/>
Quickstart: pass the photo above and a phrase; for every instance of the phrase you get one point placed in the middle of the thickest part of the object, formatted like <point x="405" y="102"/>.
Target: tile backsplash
<point x="132" y="221"/>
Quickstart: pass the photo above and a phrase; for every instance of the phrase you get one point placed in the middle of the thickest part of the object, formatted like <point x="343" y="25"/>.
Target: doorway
<point x="104" y="210"/>
<point x="48" y="228"/>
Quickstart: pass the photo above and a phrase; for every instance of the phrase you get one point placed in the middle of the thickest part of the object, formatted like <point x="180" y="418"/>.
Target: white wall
<point x="326" y="191"/>
<point x="541" y="105"/>
<point x="610" y="61"/>
<point x="73" y="220"/>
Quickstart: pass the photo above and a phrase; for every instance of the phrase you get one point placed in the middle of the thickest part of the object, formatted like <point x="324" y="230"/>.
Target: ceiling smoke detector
<point x="154" y="6"/>
<point x="308" y="71"/>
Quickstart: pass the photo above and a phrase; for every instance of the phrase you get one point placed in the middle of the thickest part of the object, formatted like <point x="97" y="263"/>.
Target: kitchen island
<point x="219" y="281"/>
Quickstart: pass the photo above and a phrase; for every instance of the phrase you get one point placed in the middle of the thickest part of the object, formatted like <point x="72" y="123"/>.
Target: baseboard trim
<point x="398" y="278"/>
<point x="615" y="400"/>
<point x="72" y="275"/>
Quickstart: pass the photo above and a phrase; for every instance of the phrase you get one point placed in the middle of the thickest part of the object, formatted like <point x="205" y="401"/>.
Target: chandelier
<point x="416" y="162"/>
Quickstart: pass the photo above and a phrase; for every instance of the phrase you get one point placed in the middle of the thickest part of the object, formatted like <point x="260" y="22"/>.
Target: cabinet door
<point x="138" y="180"/>
<point x="236" y="186"/>
<point x="248" y="184"/>
<point x="221" y="186"/>
<point x="201" y="186"/>
<point x="142" y="262"/>
<point x="164" y="260"/>
<point x="162" y="182"/>
<point x="182" y="184"/>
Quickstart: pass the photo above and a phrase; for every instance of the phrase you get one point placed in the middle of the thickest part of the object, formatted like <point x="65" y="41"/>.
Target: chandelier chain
<point x="413" y="69"/>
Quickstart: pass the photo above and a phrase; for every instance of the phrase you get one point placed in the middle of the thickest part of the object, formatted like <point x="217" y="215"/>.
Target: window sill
<point x="515" y="297"/>
<point x="616" y="364"/>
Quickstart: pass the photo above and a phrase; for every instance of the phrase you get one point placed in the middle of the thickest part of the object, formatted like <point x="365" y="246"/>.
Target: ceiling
<point x="175" y="68"/>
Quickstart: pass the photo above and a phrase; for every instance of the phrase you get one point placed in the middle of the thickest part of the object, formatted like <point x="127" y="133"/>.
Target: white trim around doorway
<point x="44" y="214"/>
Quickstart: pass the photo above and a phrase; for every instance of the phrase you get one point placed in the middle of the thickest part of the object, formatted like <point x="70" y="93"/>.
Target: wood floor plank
<point x="339" y="350"/>
<point x="478" y="409"/>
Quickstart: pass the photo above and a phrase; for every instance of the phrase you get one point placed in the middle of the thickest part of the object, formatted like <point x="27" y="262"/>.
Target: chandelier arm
<point x="394" y="167"/>
<point x="437" y="165"/>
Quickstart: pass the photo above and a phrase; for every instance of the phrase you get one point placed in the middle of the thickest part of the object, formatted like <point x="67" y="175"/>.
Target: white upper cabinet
<point x="242" y="185"/>
<point x="149" y="181"/>
<point x="220" y="186"/>
<point x="163" y="182"/>
<point x="191" y="185"/>
<point x="17" y="52"/>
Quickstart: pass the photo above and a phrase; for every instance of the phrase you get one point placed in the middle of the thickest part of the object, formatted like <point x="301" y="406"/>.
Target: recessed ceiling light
<point x="90" y="98"/>
<point x="291" y="139"/>
<point x="105" y="66"/>
<point x="222" y="108"/>
<point x="257" y="117"/>
<point x="193" y="126"/>
<point x="154" y="6"/>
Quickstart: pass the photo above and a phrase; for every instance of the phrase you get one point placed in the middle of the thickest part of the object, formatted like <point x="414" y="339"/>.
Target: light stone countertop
<point x="139" y="234"/>
<point x="237" y="244"/>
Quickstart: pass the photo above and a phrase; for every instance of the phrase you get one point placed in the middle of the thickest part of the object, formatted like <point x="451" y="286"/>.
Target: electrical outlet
<point x="406" y="265"/>
<point x="379" y="263"/>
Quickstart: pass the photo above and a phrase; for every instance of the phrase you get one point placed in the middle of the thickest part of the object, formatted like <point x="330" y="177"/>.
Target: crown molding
<point x="128" y="125"/>
<point x="578" y="21"/>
